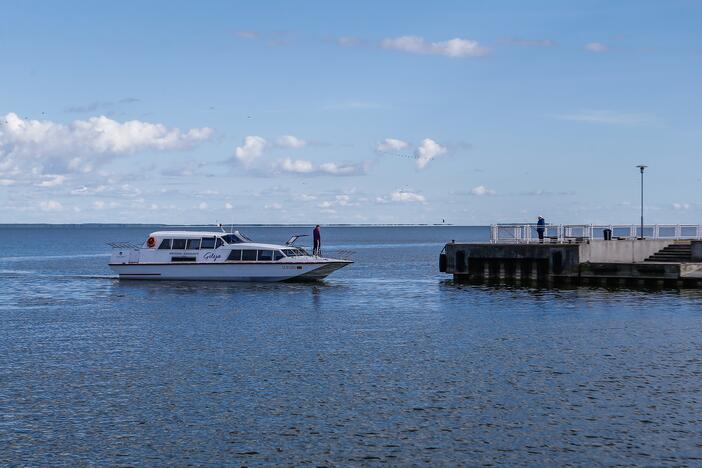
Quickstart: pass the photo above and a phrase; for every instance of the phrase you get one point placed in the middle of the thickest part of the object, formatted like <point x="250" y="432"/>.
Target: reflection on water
<point x="385" y="362"/>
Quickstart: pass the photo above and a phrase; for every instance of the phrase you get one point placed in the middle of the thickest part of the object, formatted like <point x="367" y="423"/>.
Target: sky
<point x="464" y="112"/>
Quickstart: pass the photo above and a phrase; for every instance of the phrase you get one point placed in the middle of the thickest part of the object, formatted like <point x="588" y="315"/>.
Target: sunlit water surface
<point x="386" y="362"/>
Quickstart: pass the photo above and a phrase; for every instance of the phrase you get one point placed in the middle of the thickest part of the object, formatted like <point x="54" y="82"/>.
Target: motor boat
<point x="217" y="256"/>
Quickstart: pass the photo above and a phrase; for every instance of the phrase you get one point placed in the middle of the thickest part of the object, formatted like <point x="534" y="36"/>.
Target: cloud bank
<point x="76" y="146"/>
<point x="251" y="152"/>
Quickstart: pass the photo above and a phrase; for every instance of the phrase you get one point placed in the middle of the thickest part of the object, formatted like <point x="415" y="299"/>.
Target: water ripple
<point x="386" y="363"/>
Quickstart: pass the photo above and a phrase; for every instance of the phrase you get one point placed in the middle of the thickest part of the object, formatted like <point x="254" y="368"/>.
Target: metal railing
<point x="570" y="233"/>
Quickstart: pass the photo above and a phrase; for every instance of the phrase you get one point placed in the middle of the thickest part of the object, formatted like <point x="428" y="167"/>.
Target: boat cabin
<point x="183" y="246"/>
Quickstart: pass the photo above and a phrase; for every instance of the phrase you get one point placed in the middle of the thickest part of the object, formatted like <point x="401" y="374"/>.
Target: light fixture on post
<point x="642" y="167"/>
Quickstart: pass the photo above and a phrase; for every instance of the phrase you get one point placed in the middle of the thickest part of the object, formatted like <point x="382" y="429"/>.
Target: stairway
<point x="679" y="252"/>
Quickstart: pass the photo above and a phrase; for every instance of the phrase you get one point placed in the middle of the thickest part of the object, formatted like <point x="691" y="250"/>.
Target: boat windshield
<point x="231" y="239"/>
<point x="296" y="252"/>
<point x="235" y="238"/>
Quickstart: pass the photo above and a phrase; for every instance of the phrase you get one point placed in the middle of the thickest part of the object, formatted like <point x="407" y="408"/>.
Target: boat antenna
<point x="222" y="228"/>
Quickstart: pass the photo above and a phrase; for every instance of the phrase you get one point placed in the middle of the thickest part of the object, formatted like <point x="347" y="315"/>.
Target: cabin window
<point x="165" y="245"/>
<point x="182" y="259"/>
<point x="208" y="243"/>
<point x="234" y="256"/>
<point x="220" y="243"/>
<point x="248" y="255"/>
<point x="179" y="244"/>
<point x="265" y="255"/>
<point x="277" y="255"/>
<point x="193" y="244"/>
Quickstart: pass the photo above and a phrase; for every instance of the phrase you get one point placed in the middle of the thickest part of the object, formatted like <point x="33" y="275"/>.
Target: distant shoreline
<point x="225" y="225"/>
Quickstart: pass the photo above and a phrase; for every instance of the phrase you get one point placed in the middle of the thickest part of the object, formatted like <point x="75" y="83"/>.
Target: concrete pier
<point x="613" y="262"/>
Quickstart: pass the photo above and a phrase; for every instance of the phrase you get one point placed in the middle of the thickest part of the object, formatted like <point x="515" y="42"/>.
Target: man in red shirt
<point x="317" y="236"/>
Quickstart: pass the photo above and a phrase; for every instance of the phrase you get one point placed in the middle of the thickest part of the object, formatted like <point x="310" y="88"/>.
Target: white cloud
<point x="99" y="205"/>
<point x="390" y="145"/>
<point x="339" y="200"/>
<point x="428" y="150"/>
<point x="304" y="167"/>
<point x="332" y="168"/>
<point x="402" y="196"/>
<point x="454" y="48"/>
<point x="251" y="150"/>
<point x="343" y="200"/>
<point x="52" y="181"/>
<point x="274" y="206"/>
<point x="228" y="206"/>
<point x="45" y="145"/>
<point x="607" y="117"/>
<point x="297" y="166"/>
<point x="290" y="141"/>
<point x="50" y="205"/>
<point x="203" y="206"/>
<point x="596" y="47"/>
<point x="6" y="182"/>
<point x="481" y="190"/>
<point x="681" y="206"/>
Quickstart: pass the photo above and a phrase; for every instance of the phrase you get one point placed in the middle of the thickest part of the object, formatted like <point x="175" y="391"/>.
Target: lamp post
<point x="642" y="167"/>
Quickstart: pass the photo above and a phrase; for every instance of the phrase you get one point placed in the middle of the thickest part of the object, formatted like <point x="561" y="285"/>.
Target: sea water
<point x="387" y="362"/>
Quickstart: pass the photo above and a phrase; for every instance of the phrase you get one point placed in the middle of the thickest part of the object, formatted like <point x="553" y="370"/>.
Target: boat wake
<point x="50" y="257"/>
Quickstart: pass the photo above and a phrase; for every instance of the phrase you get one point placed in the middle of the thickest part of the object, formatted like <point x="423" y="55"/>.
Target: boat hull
<point x="238" y="272"/>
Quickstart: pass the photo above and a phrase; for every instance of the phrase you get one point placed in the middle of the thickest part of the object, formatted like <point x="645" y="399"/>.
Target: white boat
<point x="217" y="256"/>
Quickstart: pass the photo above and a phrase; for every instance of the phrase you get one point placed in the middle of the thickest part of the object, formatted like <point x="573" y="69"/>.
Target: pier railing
<point x="574" y="233"/>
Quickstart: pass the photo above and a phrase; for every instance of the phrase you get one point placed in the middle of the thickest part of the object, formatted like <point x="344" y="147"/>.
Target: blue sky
<point x="350" y="112"/>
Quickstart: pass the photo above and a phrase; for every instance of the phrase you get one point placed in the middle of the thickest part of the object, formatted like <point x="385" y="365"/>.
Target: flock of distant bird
<point x="400" y="155"/>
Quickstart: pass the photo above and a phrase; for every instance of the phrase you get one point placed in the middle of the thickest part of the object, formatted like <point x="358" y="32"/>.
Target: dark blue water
<point x="385" y="363"/>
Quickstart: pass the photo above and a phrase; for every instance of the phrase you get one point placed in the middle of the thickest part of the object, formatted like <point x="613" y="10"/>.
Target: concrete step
<point x="684" y="254"/>
<point x="673" y="253"/>
<point x="670" y="257"/>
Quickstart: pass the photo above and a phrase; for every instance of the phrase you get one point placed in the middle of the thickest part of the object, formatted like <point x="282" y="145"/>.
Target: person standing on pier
<point x="317" y="237"/>
<point x="540" y="228"/>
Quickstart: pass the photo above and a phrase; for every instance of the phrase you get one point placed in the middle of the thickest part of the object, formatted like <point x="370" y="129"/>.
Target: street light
<point x="642" y="167"/>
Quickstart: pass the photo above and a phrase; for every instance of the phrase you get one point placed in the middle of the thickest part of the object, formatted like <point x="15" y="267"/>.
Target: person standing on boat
<point x="317" y="237"/>
<point x="540" y="228"/>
